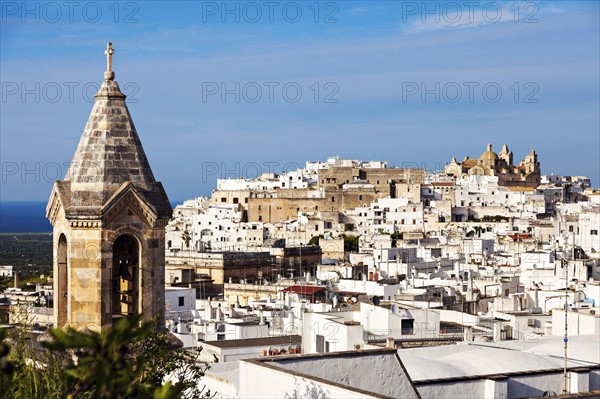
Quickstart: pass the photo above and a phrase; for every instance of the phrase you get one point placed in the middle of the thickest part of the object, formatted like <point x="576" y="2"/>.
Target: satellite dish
<point x="376" y="301"/>
<point x="395" y="309"/>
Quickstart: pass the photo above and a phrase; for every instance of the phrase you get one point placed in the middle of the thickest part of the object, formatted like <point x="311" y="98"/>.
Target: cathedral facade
<point x="526" y="174"/>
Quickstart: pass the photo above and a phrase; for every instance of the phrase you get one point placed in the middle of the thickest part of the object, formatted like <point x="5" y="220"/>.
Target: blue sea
<point x="25" y="217"/>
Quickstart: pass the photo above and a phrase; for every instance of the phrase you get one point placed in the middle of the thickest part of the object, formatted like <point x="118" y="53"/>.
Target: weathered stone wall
<point x="221" y="266"/>
<point x="220" y="197"/>
<point x="273" y="210"/>
<point x="335" y="177"/>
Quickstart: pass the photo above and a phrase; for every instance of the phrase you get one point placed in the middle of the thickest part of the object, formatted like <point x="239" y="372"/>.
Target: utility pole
<point x="566" y="338"/>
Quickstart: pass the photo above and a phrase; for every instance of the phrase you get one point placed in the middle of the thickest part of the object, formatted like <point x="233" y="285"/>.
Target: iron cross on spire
<point x="109" y="52"/>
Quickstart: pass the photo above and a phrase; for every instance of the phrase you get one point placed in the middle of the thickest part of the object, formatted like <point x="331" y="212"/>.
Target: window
<point x="235" y="200"/>
<point x="407" y="326"/>
<point x="360" y="197"/>
<point x="260" y="218"/>
<point x="594" y="232"/>
<point x="181" y="301"/>
<point x="571" y="229"/>
<point x="223" y="199"/>
<point x="320" y="343"/>
<point x="332" y="199"/>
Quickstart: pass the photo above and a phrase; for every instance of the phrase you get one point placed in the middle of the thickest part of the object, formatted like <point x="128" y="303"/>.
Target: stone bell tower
<point x="109" y="216"/>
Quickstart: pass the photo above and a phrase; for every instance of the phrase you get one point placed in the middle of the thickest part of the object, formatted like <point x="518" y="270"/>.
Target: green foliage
<point x="162" y="360"/>
<point x="34" y="374"/>
<point x="103" y="369"/>
<point x="494" y="218"/>
<point x="7" y="367"/>
<point x="350" y="242"/>
<point x="5" y="282"/>
<point x="129" y="360"/>
<point x="20" y="250"/>
<point x="395" y="237"/>
<point x="315" y="240"/>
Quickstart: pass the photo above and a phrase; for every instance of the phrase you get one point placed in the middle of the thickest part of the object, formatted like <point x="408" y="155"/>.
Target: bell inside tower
<point x="125" y="277"/>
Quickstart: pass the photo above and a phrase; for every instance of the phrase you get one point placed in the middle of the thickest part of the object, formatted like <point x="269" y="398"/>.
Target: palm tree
<point x="185" y="236"/>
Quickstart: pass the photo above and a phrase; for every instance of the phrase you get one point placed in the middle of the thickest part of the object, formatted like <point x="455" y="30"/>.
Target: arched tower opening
<point x="61" y="296"/>
<point x="125" y="277"/>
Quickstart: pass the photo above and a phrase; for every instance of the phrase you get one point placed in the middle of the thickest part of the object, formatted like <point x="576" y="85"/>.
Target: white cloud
<point x="462" y="17"/>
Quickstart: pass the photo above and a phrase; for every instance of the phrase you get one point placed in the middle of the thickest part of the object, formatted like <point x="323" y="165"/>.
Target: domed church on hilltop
<point x="526" y="174"/>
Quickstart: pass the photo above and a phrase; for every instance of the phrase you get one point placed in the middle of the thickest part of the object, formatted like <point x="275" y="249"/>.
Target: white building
<point x="6" y="271"/>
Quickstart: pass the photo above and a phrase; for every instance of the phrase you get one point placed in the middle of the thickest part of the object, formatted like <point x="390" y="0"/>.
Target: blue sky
<point x="412" y="83"/>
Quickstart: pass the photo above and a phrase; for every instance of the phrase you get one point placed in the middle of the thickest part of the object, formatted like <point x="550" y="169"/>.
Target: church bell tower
<point x="108" y="216"/>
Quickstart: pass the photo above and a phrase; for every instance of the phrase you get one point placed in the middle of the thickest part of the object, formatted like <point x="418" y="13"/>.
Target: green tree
<point x="350" y="242"/>
<point x="163" y="360"/>
<point x="315" y="240"/>
<point x="129" y="360"/>
<point x="28" y="373"/>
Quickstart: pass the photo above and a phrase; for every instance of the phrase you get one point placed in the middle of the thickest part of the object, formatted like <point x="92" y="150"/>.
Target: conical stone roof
<point x="109" y="155"/>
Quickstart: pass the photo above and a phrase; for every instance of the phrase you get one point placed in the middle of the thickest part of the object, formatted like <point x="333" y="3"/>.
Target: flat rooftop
<point x="476" y="360"/>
